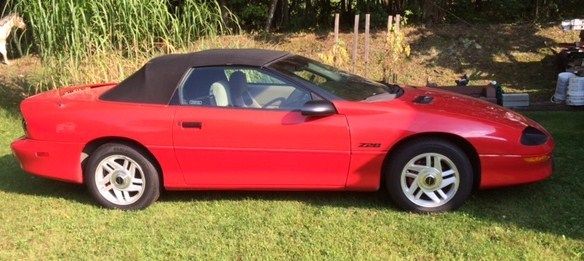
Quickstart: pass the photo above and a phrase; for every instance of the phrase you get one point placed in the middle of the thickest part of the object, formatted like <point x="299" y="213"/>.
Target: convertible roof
<point x="156" y="81"/>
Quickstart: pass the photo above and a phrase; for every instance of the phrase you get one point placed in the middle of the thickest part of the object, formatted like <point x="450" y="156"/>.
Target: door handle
<point x="192" y="124"/>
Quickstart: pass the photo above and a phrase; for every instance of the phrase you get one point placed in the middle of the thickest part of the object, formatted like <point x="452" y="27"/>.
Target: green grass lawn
<point x="47" y="219"/>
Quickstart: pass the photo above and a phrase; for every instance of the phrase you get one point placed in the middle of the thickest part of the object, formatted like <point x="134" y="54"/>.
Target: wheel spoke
<point x="411" y="175"/>
<point x="107" y="167"/>
<point x="126" y="164"/>
<point x="447" y="173"/>
<point x="126" y="195"/>
<point x="416" y="168"/>
<point x="447" y="181"/>
<point x="441" y="193"/>
<point x="106" y="179"/>
<point x="119" y="195"/>
<point x="438" y="163"/>
<point x="432" y="196"/>
<point x="134" y="188"/>
<point x="137" y="181"/>
<point x="419" y="194"/>
<point x="108" y="187"/>
<point x="413" y="187"/>
<point x="428" y="161"/>
<point x="114" y="165"/>
<point x="132" y="170"/>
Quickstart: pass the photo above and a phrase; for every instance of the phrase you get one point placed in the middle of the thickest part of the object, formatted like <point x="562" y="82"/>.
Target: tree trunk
<point x="285" y="13"/>
<point x="271" y="14"/>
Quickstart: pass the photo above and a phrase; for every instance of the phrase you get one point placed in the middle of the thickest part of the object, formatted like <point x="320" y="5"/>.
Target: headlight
<point x="532" y="137"/>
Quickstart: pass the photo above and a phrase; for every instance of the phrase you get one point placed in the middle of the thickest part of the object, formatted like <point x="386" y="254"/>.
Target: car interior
<point x="240" y="87"/>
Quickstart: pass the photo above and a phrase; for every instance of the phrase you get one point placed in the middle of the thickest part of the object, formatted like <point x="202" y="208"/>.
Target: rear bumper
<point x="54" y="160"/>
<point x="509" y="170"/>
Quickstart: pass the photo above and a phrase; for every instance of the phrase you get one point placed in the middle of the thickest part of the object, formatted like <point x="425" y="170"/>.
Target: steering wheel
<point x="279" y="99"/>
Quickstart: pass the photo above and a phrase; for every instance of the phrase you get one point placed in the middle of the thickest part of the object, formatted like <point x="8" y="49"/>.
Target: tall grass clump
<point x="76" y="29"/>
<point x="104" y="36"/>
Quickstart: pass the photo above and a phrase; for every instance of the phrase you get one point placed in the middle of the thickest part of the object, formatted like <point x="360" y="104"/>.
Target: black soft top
<point x="156" y="81"/>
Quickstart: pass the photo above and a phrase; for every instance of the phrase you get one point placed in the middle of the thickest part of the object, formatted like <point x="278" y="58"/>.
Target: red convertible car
<point x="268" y="120"/>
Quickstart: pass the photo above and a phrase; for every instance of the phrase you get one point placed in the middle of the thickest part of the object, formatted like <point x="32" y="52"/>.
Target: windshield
<point x="341" y="84"/>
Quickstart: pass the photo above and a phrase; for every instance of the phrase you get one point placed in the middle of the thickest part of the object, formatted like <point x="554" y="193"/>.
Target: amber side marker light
<point x="537" y="159"/>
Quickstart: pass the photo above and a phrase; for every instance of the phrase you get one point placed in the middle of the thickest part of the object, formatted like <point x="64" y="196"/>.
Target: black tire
<point x="149" y="175"/>
<point x="414" y="150"/>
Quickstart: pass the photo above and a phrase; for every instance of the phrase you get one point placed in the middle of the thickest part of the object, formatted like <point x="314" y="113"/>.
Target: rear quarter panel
<point x="80" y="118"/>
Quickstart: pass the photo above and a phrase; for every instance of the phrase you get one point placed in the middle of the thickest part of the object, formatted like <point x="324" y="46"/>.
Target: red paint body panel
<point x="503" y="170"/>
<point x="261" y="148"/>
<point x="365" y="172"/>
<point x="271" y="149"/>
<point x="76" y="115"/>
<point x="55" y="160"/>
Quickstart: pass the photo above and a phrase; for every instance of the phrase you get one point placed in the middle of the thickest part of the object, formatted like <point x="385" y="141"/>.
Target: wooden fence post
<point x="397" y="22"/>
<point x="355" y="40"/>
<point x="336" y="28"/>
<point x="397" y="28"/>
<point x="367" y="16"/>
<point x="386" y="76"/>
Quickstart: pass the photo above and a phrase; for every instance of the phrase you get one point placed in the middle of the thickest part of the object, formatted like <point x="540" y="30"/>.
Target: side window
<point x="241" y="87"/>
<point x="255" y="76"/>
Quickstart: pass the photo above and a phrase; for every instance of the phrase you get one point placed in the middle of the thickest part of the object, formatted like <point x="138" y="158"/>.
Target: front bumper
<point x="54" y="160"/>
<point x="509" y="170"/>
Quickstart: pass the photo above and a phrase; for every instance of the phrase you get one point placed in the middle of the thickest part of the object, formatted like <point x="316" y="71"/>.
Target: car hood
<point x="446" y="102"/>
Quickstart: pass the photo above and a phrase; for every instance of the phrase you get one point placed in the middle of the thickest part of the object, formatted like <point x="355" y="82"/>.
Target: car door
<point x="240" y="127"/>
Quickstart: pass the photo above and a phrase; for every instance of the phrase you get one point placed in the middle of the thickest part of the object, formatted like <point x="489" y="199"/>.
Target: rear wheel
<point x="429" y="175"/>
<point x="119" y="176"/>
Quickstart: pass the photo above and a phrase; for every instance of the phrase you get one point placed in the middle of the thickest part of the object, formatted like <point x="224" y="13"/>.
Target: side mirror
<point x="318" y="108"/>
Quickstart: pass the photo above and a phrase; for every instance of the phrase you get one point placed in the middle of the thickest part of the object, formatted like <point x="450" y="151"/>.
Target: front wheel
<point x="429" y="175"/>
<point x="120" y="177"/>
